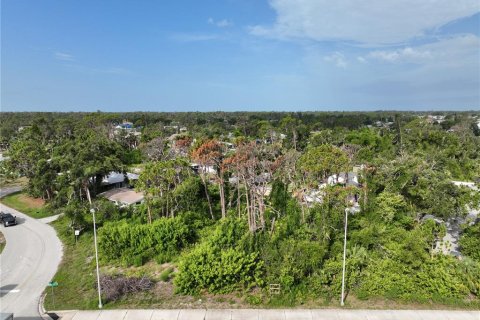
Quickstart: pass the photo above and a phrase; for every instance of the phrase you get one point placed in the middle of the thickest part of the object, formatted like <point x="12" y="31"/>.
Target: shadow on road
<point x="6" y="289"/>
<point x="20" y="220"/>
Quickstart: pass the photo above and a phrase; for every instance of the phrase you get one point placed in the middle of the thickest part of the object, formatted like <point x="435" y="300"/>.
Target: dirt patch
<point x="31" y="202"/>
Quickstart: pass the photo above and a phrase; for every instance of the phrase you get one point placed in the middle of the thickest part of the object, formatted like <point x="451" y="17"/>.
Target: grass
<point x="22" y="202"/>
<point x="2" y="242"/>
<point x="76" y="274"/>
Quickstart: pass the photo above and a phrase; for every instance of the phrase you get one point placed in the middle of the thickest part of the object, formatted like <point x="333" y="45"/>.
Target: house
<point x="468" y="184"/>
<point x="435" y="119"/>
<point x="203" y="169"/>
<point x="125" y="125"/>
<point x="115" y="180"/>
<point x="123" y="196"/>
<point x="229" y="146"/>
<point x="344" y="178"/>
<point x="21" y="128"/>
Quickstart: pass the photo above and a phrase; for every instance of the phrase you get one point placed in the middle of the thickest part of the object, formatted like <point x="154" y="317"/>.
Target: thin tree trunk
<point x="88" y="194"/>
<point x="238" y="196"/>
<point x="149" y="211"/>
<point x="207" y="195"/>
<point x="222" y="199"/>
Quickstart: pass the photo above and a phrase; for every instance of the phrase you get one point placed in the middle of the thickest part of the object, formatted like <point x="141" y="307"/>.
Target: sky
<point x="231" y="55"/>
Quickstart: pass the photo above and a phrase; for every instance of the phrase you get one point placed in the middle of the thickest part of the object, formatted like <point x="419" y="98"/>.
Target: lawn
<point x="2" y="242"/>
<point x="76" y="273"/>
<point x="34" y="207"/>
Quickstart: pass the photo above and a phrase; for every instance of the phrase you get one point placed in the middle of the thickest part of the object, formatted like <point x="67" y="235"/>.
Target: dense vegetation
<point x="265" y="203"/>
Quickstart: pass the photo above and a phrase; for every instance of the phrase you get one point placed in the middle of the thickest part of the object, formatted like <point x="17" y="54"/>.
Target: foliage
<point x="219" y="264"/>
<point x="437" y="277"/>
<point x="135" y="244"/>
<point x="322" y="161"/>
<point x="470" y="241"/>
<point x="218" y="271"/>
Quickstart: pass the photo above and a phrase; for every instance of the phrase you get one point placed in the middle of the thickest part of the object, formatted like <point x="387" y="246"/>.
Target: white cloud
<point x="362" y="59"/>
<point x="406" y="54"/>
<point x="337" y="58"/>
<point x="224" y="23"/>
<point x="455" y="50"/>
<point x="63" y="56"/>
<point x="370" y="22"/>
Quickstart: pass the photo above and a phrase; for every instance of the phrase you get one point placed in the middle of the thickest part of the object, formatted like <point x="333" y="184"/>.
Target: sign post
<point x="53" y="284"/>
<point x="77" y="233"/>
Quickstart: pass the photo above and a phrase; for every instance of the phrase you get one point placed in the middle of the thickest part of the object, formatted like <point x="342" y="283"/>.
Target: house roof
<point x="123" y="196"/>
<point x="117" y="177"/>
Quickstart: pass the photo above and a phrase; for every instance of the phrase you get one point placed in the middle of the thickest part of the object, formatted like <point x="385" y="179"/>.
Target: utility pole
<point x="96" y="250"/>
<point x="342" y="303"/>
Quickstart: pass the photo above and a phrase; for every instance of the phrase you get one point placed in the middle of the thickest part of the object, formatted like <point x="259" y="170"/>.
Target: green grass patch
<point x="2" y="242"/>
<point x="22" y="202"/>
<point x="166" y="274"/>
<point x="76" y="274"/>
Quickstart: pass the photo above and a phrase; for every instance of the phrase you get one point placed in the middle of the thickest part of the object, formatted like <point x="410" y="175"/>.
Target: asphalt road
<point x="27" y="263"/>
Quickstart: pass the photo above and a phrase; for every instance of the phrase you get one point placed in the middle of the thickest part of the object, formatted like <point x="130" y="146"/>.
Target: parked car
<point x="7" y="219"/>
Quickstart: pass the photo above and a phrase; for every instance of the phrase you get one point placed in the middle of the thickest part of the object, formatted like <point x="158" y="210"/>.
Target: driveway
<point x="27" y="263"/>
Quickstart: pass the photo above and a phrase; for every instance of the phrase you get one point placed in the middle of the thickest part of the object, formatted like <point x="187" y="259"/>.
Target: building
<point x="123" y="196"/>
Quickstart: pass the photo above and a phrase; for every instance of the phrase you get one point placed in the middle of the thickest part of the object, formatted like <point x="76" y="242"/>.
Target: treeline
<point x="214" y="123"/>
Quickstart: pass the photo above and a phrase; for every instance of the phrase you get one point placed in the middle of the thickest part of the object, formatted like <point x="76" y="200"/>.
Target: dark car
<point x="8" y="220"/>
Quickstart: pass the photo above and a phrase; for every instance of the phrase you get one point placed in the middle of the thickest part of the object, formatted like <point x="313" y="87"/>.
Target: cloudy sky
<point x="64" y="55"/>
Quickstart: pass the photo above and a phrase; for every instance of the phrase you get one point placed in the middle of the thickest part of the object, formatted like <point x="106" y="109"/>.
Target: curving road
<point x="27" y="263"/>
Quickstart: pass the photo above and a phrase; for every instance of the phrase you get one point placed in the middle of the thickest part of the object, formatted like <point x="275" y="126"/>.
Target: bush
<point x="470" y="242"/>
<point x="218" y="271"/>
<point x="136" y="244"/>
<point x="438" y="277"/>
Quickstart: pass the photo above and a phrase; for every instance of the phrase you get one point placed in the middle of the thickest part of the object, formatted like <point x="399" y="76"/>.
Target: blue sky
<point x="229" y="55"/>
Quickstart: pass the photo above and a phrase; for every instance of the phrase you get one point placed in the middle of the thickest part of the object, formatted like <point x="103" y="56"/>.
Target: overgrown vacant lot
<point x="77" y="286"/>
<point x="34" y="207"/>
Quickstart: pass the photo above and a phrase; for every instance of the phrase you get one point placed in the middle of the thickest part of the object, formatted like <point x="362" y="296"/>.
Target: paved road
<point x="8" y="190"/>
<point x="262" y="314"/>
<point x="28" y="262"/>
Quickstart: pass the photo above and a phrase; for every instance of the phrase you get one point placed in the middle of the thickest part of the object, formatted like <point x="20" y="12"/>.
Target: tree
<point x="84" y="161"/>
<point x="211" y="154"/>
<point x="320" y="162"/>
<point x="159" y="180"/>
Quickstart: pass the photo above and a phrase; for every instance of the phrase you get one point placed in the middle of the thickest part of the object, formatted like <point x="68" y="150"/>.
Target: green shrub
<point x="470" y="242"/>
<point x="218" y="271"/>
<point x="437" y="277"/>
<point x="135" y="244"/>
